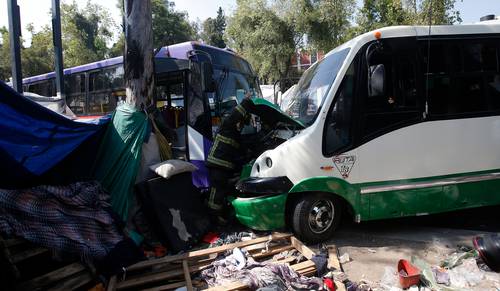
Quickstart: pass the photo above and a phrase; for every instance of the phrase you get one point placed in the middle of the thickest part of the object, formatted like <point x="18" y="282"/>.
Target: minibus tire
<point x="305" y="207"/>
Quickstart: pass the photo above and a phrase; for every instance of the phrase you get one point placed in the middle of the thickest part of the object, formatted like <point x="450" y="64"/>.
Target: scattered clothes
<point x="273" y="287"/>
<point x="299" y="257"/>
<point x="75" y="219"/>
<point x="124" y="254"/>
<point x="229" y="238"/>
<point x="257" y="275"/>
<point x="321" y="262"/>
<point x="442" y="277"/>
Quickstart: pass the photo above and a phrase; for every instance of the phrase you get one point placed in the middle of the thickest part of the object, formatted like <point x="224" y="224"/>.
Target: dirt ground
<point x="375" y="246"/>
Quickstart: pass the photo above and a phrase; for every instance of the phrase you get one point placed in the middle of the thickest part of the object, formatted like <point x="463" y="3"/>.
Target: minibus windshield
<point x="313" y="87"/>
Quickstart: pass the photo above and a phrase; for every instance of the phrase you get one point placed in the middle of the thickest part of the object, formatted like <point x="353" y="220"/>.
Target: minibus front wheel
<point x="316" y="216"/>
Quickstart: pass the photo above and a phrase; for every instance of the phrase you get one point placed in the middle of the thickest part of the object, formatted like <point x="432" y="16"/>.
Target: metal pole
<point x="56" y="36"/>
<point x="15" y="44"/>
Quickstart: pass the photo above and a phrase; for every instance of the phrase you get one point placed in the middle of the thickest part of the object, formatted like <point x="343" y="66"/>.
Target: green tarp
<point x="120" y="155"/>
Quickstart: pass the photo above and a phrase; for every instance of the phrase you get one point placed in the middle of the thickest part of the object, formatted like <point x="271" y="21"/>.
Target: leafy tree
<point x="379" y="13"/>
<point x="85" y="33"/>
<point x="5" y="69"/>
<point x="320" y="24"/>
<point x="213" y="30"/>
<point x="170" y="26"/>
<point x="38" y="58"/>
<point x="262" y="37"/>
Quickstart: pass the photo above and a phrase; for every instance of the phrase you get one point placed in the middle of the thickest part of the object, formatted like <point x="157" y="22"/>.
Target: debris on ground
<point x="344" y="258"/>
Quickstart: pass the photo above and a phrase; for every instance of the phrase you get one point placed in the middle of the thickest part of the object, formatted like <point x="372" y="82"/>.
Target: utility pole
<point x="56" y="38"/>
<point x="15" y="44"/>
<point x="138" y="57"/>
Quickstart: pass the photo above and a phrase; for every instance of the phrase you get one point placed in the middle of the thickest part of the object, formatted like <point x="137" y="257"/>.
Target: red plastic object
<point x="329" y="283"/>
<point x="413" y="277"/>
<point x="210" y="237"/>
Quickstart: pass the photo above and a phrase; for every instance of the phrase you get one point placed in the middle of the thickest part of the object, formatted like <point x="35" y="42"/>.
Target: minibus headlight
<point x="269" y="162"/>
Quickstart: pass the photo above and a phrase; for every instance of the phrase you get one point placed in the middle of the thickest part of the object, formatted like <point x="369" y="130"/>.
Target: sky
<point x="37" y="11"/>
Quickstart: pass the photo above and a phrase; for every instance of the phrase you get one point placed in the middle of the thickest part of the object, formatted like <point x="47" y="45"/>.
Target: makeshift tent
<point x="35" y="140"/>
<point x="120" y="155"/>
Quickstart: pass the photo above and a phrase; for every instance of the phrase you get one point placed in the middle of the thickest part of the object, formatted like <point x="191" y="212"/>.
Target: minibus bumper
<point x="261" y="202"/>
<point x="261" y="213"/>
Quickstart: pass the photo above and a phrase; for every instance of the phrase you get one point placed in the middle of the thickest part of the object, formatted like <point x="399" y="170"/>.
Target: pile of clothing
<point x="75" y="218"/>
<point x="241" y="267"/>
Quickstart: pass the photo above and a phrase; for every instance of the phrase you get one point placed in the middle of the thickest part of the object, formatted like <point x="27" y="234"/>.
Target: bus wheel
<point x="316" y="216"/>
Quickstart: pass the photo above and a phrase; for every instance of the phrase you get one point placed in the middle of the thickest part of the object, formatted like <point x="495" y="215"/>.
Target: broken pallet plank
<point x="112" y="284"/>
<point x="271" y="252"/>
<point x="167" y="286"/>
<point x="187" y="275"/>
<point x="52" y="277"/>
<point x="208" y="251"/>
<point x="21" y="256"/>
<point x="334" y="263"/>
<point x="303" y="249"/>
<point x="72" y="283"/>
<point x="152" y="278"/>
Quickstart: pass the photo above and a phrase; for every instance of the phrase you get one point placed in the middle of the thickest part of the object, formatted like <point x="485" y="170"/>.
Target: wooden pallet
<point x="17" y="253"/>
<point x="176" y="271"/>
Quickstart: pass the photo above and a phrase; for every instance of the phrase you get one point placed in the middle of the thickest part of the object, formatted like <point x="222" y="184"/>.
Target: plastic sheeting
<point x="34" y="139"/>
<point x="120" y="155"/>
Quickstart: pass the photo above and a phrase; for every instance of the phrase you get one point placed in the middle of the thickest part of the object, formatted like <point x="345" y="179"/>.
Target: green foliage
<point x="213" y="30"/>
<point x="5" y="69"/>
<point x="39" y="57"/>
<point x="85" y="33"/>
<point x="170" y="26"/>
<point x="379" y="13"/>
<point x="262" y="37"/>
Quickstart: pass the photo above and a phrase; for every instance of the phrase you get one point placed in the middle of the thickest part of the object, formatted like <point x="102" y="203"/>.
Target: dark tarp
<point x="35" y="141"/>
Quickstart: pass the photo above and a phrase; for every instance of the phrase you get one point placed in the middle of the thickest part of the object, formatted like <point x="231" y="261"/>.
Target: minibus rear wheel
<point x="316" y="216"/>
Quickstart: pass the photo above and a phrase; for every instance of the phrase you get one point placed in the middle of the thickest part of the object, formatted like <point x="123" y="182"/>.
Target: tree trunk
<point x="138" y="57"/>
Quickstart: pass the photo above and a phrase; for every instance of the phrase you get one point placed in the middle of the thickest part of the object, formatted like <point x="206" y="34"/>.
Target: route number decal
<point x="344" y="164"/>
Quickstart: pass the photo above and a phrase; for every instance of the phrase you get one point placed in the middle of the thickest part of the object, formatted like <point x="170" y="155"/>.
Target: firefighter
<point x="227" y="157"/>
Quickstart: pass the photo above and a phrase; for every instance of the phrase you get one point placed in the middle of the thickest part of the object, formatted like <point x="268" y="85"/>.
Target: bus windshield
<point x="313" y="87"/>
<point x="232" y="81"/>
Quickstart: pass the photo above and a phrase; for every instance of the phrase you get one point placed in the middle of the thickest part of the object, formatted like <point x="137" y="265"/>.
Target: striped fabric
<point x="75" y="219"/>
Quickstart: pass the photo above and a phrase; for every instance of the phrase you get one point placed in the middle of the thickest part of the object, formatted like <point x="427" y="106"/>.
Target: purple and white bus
<point x="195" y="85"/>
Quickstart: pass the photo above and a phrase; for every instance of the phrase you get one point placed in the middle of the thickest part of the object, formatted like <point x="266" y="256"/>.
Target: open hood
<point x="272" y="114"/>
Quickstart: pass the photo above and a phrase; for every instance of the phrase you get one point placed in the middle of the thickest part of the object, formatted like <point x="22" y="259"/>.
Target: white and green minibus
<point x="401" y="121"/>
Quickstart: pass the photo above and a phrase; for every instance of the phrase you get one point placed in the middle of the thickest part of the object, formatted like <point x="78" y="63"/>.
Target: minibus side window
<point x="467" y="81"/>
<point x="337" y="133"/>
<point x="400" y="105"/>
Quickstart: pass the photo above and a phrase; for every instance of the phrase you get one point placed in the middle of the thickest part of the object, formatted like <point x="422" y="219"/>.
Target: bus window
<point x="75" y="92"/>
<point x="43" y="88"/>
<point x="339" y="120"/>
<point x="399" y="105"/>
<point x="104" y="90"/>
<point x="462" y="87"/>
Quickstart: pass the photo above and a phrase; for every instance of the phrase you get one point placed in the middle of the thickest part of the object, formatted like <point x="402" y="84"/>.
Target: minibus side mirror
<point x="207" y="81"/>
<point x="376" y="80"/>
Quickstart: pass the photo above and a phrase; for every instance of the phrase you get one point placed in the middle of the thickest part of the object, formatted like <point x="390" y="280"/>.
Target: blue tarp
<point x="34" y="139"/>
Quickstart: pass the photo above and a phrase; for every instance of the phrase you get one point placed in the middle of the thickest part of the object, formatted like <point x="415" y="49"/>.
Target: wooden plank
<point x="72" y="283"/>
<point x="14" y="242"/>
<point x="21" y="256"/>
<point x="152" y="278"/>
<point x="52" y="277"/>
<point x="271" y="252"/>
<point x="205" y="252"/>
<point x="333" y="259"/>
<point x="302" y="266"/>
<point x="112" y="284"/>
<point x="167" y="286"/>
<point x="187" y="275"/>
<point x="229" y="287"/>
<point x="303" y="249"/>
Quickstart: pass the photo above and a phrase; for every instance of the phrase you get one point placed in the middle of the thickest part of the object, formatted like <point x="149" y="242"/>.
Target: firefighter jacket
<point x="227" y="152"/>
